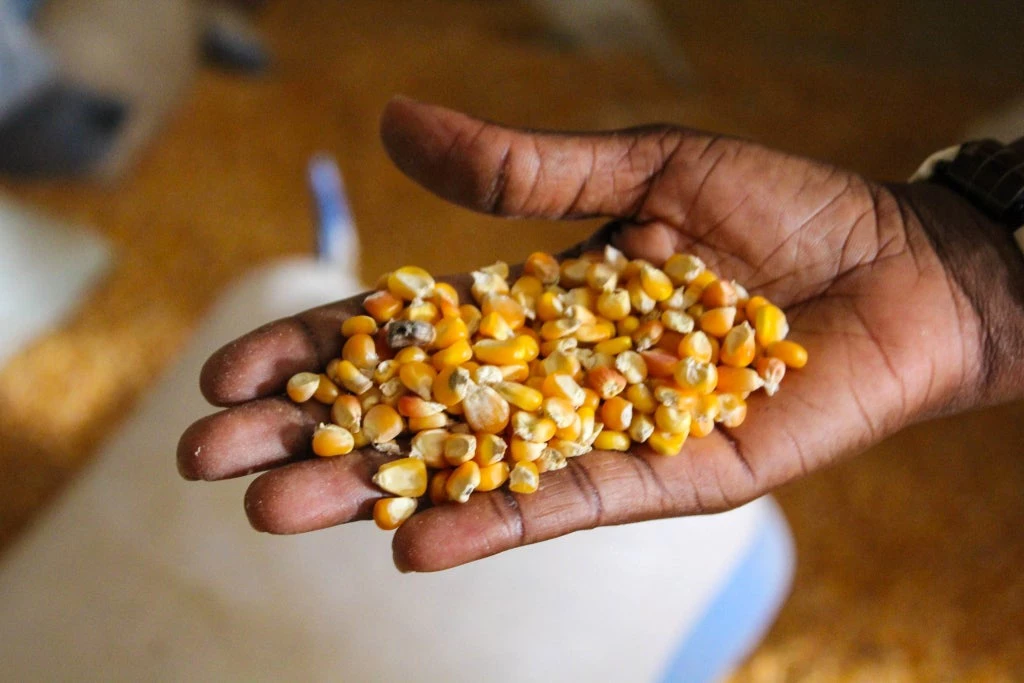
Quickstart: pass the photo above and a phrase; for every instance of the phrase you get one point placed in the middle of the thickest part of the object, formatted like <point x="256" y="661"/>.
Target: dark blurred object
<point x="230" y="42"/>
<point x="64" y="130"/>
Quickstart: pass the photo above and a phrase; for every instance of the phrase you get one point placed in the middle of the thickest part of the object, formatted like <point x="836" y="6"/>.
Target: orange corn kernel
<point x="390" y="513"/>
<point x="789" y="352"/>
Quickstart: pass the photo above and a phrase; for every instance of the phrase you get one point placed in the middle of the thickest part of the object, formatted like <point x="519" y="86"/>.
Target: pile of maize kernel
<point x="592" y="352"/>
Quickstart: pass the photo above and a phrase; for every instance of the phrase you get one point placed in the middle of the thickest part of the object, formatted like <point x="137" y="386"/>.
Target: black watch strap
<point x="987" y="173"/>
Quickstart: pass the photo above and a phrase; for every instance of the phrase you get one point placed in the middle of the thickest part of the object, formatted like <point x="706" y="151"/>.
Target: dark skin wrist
<point x="985" y="265"/>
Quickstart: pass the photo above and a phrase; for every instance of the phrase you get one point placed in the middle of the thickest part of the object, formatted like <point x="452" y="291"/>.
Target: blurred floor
<point x="910" y="555"/>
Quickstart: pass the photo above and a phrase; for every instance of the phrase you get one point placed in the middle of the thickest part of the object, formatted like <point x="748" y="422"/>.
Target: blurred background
<point x="173" y="138"/>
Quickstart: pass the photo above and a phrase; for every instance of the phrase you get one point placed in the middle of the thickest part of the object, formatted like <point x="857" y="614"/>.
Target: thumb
<point x="494" y="169"/>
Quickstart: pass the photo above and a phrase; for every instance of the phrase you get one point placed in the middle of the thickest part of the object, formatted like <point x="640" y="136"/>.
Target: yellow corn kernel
<point x="508" y="308"/>
<point x="561" y="361"/>
<point x="532" y="427"/>
<point x="326" y="390"/>
<point x="451" y="385"/>
<point x="677" y="321"/>
<point x="789" y="352"/>
<point x="486" y="284"/>
<point x="754" y="303"/>
<point x="446" y="298"/>
<point x="522" y="450"/>
<point x="330" y="440"/>
<point x="549" y="307"/>
<point x="418" y="377"/>
<point x="403" y="477"/>
<point x="719" y="294"/>
<point x="573" y="431"/>
<point x="683" y="268"/>
<point x="733" y="410"/>
<point x="737" y="349"/>
<point x="770" y="324"/>
<point x="370" y="398"/>
<point x="550" y="459"/>
<point x="627" y="326"/>
<point x="704" y="414"/>
<point x="435" y="421"/>
<point x="632" y="366"/>
<point x="601" y="277"/>
<point x="640" y="428"/>
<point x="695" y="311"/>
<point x="470" y="315"/>
<point x="382" y="423"/>
<point x="500" y="352"/>
<point x="428" y="445"/>
<point x="436" y="490"/>
<point x="459" y="448"/>
<point x="573" y="272"/>
<point x="411" y="354"/>
<point x="563" y="345"/>
<point x="558" y="328"/>
<point x="520" y="395"/>
<point x="560" y="410"/>
<point x="664" y="443"/>
<point x="771" y="371"/>
<point x="485" y="410"/>
<point x="568" y="449"/>
<point x="458" y="353"/>
<point x="385" y="370"/>
<point x="448" y="331"/>
<point x="740" y="381"/>
<point x="607" y="382"/>
<point x="601" y="330"/>
<point x="655" y="282"/>
<point x="347" y="412"/>
<point x="463" y="480"/>
<point x="559" y="384"/>
<point x="423" y="311"/>
<point x="515" y="372"/>
<point x="390" y="513"/>
<point x="647" y="334"/>
<point x="617" y="413"/>
<point x="524" y="477"/>
<point x="672" y="420"/>
<point x="590" y="398"/>
<point x="360" y="440"/>
<point x="527" y="343"/>
<point x="670" y="341"/>
<point x="589" y="426"/>
<point x="674" y="397"/>
<point x="718" y="321"/>
<point x="494" y="326"/>
<point x="302" y="386"/>
<point x="414" y="406"/>
<point x="638" y="296"/>
<point x="611" y="440"/>
<point x="642" y="398"/>
<point x="696" y="376"/>
<point x="410" y="282"/>
<point x="493" y="476"/>
<point x="542" y="266"/>
<point x="535" y="382"/>
<point x="359" y="324"/>
<point x="704" y="279"/>
<point x="696" y="345"/>
<point x="382" y="305"/>
<point x="528" y="285"/>
<point x="614" y="305"/>
<point x="490" y="448"/>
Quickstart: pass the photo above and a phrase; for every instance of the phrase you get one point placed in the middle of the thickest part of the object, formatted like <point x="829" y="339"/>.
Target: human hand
<point x="894" y="334"/>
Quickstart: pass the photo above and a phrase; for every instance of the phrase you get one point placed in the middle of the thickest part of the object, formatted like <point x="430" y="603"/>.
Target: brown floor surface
<point x="910" y="555"/>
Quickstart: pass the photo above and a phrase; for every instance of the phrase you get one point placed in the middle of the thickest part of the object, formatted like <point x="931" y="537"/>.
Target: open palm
<point x="890" y="338"/>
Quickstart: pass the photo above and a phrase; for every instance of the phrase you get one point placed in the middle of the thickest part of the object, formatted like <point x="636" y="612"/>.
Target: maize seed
<point x="521" y="449"/>
<point x="696" y="376"/>
<point x="613" y="305"/>
<point x="740" y="381"/>
<point x="520" y="395"/>
<point x="487" y="374"/>
<point x="560" y="410"/>
<point x="532" y="427"/>
<point x="493" y="476"/>
<point x="627" y="326"/>
<point x="524" y="477"/>
<point x="771" y="370"/>
<point x="642" y="399"/>
<point x="302" y="386"/>
<point x="602" y="277"/>
<point x="683" y="268"/>
<point x="696" y="345"/>
<point x="347" y="412"/>
<point x="414" y="406"/>
<point x="459" y="448"/>
<point x="485" y="410"/>
<point x="410" y="354"/>
<point x="719" y="294"/>
<point x="352" y="379"/>
<point x="550" y="459"/>
<point x="330" y="440"/>
<point x="418" y="377"/>
<point x="718" y="321"/>
<point x="448" y="331"/>
<point x="499" y="352"/>
<point x="382" y="423"/>
<point x="436" y="491"/>
<point x="660" y="363"/>
<point x="789" y="352"/>
<point x="640" y="428"/>
<point x="647" y="334"/>
<point x="485" y="284"/>
<point x="470" y="315"/>
<point x="672" y="420"/>
<point x="617" y="413"/>
<point x="326" y="390"/>
<point x="638" y="296"/>
<point x="359" y="324"/>
<point x="770" y="324"/>
<point x="428" y="445"/>
<point x="559" y="384"/>
<point x="490" y="448"/>
<point x="664" y="443"/>
<point x="572" y="431"/>
<point x="435" y="421"/>
<point x="607" y="382"/>
<point x="738" y="346"/>
<point x="505" y="306"/>
<point x="446" y="299"/>
<point x="611" y="440"/>
<point x="456" y="354"/>
<point x="463" y="480"/>
<point x="405" y="477"/>
<point x="389" y="513"/>
<point x="733" y="410"/>
<point x="542" y="266"/>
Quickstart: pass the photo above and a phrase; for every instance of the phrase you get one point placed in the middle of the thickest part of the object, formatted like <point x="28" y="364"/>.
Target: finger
<point x="260" y="363"/>
<point x="495" y="169"/>
<point x="248" y="438"/>
<point x="314" y="494"/>
<point x="597" y="489"/>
